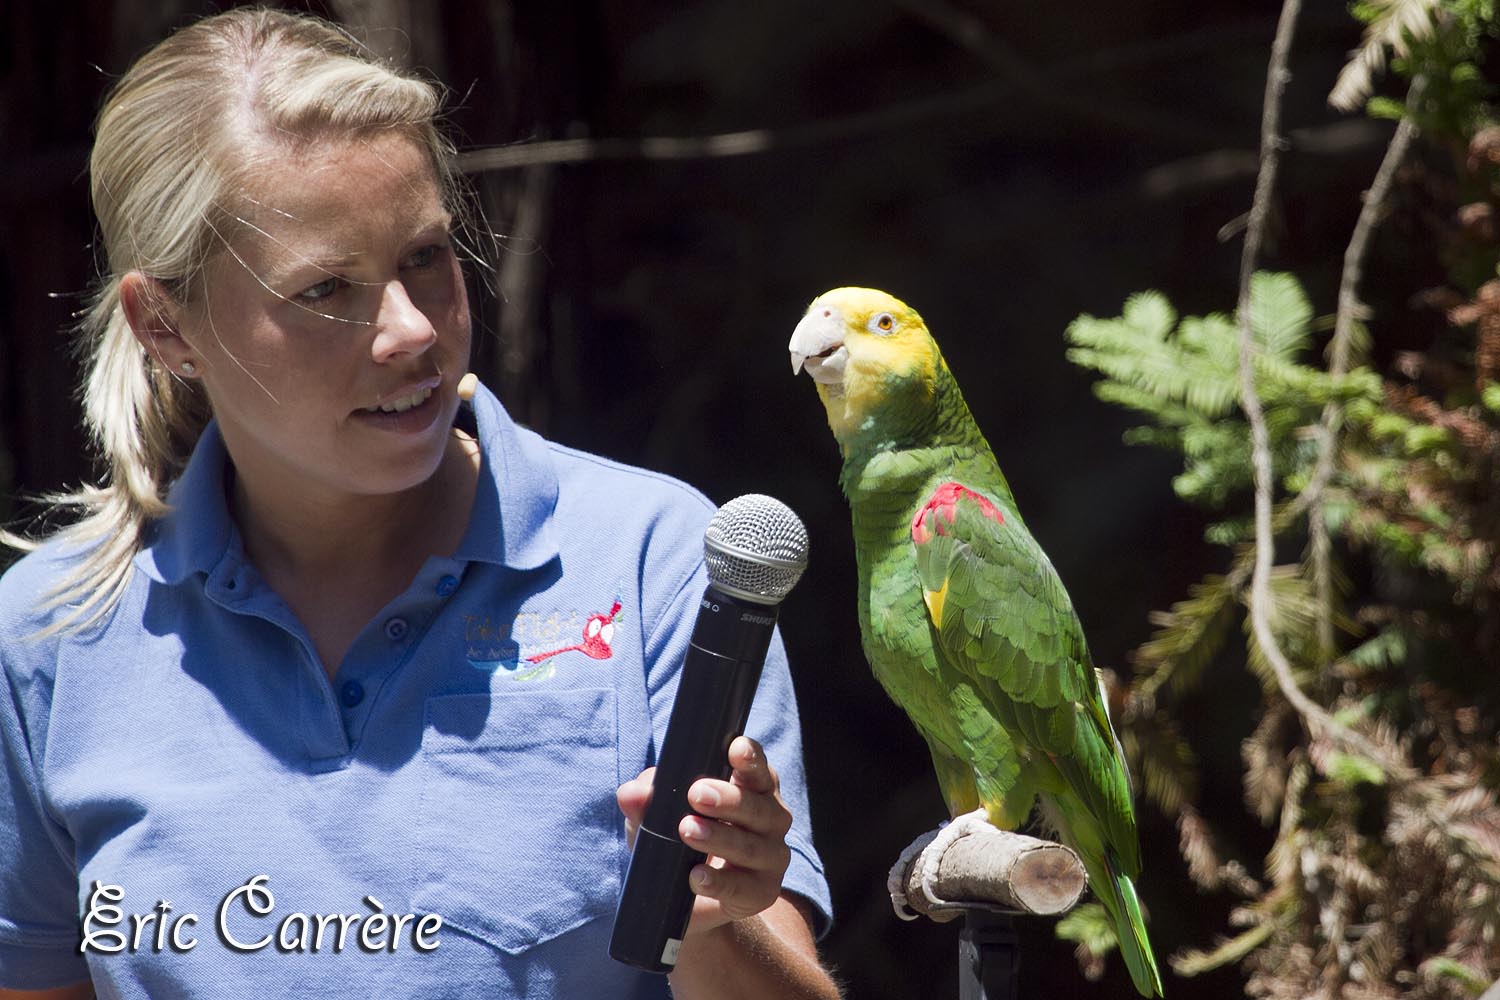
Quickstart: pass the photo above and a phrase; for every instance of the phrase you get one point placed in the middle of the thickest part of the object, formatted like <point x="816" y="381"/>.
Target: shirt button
<point x="447" y="585"/>
<point x="352" y="693"/>
<point x="395" y="629"/>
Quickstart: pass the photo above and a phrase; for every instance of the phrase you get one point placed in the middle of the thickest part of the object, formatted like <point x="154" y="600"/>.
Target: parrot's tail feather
<point x="1112" y="888"/>
<point x="1118" y="896"/>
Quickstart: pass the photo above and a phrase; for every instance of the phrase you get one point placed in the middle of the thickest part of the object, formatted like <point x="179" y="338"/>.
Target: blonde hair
<point x="170" y="143"/>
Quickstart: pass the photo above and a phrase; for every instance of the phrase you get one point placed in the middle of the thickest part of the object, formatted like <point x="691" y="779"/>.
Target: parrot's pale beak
<point x="818" y="345"/>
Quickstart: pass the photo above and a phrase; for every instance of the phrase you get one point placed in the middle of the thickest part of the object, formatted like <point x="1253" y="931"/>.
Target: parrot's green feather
<point x="1115" y="890"/>
<point x="964" y="620"/>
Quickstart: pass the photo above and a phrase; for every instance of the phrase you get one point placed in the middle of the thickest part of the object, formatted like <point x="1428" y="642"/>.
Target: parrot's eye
<point x="885" y="323"/>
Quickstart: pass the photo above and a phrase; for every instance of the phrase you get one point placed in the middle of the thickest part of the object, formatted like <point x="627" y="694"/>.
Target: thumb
<point x="632" y="798"/>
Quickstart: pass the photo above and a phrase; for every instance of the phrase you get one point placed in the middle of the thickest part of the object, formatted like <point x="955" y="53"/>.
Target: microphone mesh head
<point x="755" y="548"/>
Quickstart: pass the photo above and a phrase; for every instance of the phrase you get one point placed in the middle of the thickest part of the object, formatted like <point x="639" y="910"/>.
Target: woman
<point x="299" y="706"/>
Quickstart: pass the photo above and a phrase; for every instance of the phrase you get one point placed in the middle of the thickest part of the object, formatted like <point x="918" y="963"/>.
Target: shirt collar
<point x="510" y="523"/>
<point x="197" y="531"/>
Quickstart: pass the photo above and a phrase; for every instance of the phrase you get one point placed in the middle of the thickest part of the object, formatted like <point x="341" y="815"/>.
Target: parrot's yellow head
<point x="869" y="352"/>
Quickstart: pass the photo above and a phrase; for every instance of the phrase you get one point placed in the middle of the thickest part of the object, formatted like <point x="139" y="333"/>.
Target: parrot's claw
<point x="947" y="835"/>
<point x="926" y="852"/>
<point x="903" y="911"/>
<point x="895" y="882"/>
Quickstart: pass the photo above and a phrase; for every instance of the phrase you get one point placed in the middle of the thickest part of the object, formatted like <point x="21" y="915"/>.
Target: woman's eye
<point x="321" y="290"/>
<point x="423" y="257"/>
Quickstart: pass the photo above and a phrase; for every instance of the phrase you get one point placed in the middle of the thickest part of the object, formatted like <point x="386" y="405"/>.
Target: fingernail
<point x="694" y="828"/>
<point x="700" y="878"/>
<point x="708" y="797"/>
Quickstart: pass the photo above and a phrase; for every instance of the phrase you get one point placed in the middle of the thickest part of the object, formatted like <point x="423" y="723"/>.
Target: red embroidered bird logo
<point x="597" y="632"/>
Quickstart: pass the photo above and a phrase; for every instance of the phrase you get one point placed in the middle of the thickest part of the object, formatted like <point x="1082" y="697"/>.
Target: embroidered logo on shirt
<point x="597" y="632"/>
<point x="484" y="653"/>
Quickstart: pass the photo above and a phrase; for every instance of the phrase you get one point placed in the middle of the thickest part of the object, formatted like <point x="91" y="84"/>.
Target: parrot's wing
<point x="1002" y="617"/>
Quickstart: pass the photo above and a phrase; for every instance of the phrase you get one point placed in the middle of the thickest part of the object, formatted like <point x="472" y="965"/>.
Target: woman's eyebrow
<point x="326" y="257"/>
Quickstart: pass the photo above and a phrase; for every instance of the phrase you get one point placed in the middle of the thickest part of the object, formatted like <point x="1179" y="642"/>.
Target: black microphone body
<point x="719" y="677"/>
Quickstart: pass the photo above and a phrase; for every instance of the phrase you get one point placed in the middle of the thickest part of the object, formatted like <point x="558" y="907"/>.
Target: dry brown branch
<point x="1350" y="311"/>
<point x="996" y="868"/>
<point x="1260" y="581"/>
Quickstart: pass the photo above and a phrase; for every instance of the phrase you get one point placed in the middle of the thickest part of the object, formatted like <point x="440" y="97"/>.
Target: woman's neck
<point x="313" y="537"/>
<point x="337" y="564"/>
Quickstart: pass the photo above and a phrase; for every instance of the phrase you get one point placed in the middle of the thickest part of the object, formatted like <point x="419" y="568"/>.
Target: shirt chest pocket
<point x="520" y="836"/>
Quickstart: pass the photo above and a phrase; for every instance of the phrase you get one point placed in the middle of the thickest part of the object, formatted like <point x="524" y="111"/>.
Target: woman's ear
<point x="152" y="313"/>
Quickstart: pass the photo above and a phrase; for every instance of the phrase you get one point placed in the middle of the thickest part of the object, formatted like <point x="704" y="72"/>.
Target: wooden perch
<point x="977" y="865"/>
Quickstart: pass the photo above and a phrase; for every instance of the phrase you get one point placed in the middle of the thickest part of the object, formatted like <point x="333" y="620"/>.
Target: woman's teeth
<point x="402" y="404"/>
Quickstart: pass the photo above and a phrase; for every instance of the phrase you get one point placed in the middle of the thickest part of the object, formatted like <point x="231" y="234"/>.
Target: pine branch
<point x="1187" y="637"/>
<point x="1394" y="22"/>
<point x="1193" y="961"/>
<point x="1350" y="310"/>
<point x="1260" y="588"/>
<point x="1260" y="599"/>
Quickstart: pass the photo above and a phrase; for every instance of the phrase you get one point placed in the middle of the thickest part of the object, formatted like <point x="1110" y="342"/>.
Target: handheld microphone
<point x="755" y="549"/>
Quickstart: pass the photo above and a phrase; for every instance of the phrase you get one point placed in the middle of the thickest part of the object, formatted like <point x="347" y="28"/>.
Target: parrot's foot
<point x="895" y="882"/>
<point x="926" y="852"/>
<point x="947" y="835"/>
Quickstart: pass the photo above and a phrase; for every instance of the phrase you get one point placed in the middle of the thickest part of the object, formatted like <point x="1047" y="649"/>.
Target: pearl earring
<point x="188" y="368"/>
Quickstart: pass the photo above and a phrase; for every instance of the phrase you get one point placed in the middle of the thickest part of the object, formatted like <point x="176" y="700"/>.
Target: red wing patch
<point x="937" y="514"/>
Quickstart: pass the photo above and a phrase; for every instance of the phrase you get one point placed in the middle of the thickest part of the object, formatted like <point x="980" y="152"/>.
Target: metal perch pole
<point x="987" y="876"/>
<point x="989" y="955"/>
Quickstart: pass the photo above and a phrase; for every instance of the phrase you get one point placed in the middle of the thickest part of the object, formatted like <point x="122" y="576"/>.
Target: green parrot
<point x="964" y="621"/>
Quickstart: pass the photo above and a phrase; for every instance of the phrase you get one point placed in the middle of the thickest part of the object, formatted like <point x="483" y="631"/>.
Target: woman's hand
<point x="747" y="939"/>
<point x="742" y="827"/>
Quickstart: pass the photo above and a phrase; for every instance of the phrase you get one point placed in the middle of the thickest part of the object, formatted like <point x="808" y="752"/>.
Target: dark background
<point x="1001" y="167"/>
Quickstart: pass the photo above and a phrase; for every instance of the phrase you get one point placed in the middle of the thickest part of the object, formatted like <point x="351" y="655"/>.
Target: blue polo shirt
<point x="190" y="808"/>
